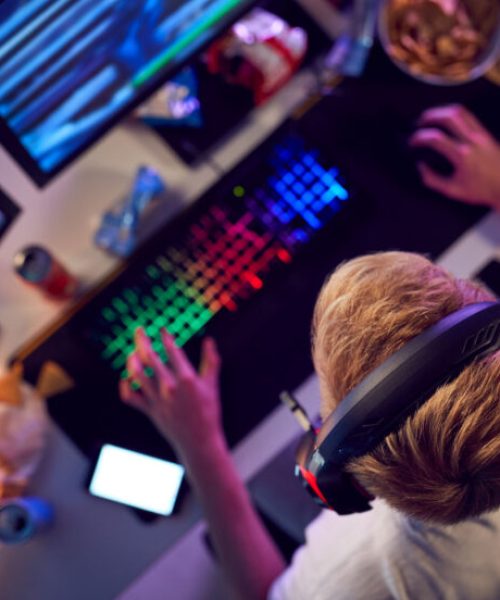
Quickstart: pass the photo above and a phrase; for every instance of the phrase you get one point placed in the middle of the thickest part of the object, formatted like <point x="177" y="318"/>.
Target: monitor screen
<point x="70" y="69"/>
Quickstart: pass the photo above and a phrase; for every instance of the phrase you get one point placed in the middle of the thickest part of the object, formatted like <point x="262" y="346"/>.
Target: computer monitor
<point x="71" y="69"/>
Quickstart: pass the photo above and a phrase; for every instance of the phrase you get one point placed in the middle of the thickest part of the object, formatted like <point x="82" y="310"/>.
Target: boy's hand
<point x="470" y="148"/>
<point x="183" y="404"/>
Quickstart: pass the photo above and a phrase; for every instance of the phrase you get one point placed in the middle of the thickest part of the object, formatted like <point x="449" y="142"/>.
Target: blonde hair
<point x="443" y="464"/>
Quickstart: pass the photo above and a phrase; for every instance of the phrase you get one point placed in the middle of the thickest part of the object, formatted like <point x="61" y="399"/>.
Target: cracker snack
<point x="444" y="38"/>
<point x="53" y="380"/>
<point x="24" y="424"/>
<point x="23" y="432"/>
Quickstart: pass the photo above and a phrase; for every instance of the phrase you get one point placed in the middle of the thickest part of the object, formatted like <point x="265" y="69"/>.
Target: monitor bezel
<point x="13" y="146"/>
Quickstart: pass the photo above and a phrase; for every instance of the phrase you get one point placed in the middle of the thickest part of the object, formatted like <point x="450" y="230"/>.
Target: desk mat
<point x="265" y="346"/>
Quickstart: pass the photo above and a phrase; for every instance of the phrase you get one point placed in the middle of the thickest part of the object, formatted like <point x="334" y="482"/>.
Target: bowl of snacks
<point x="443" y="42"/>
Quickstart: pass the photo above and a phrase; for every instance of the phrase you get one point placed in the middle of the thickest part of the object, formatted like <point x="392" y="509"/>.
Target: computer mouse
<point x="434" y="160"/>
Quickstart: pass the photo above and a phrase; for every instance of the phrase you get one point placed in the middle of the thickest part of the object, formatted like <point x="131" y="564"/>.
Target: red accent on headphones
<point x="313" y="484"/>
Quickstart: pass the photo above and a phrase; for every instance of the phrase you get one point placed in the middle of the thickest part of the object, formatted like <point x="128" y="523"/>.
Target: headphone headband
<point x="389" y="395"/>
<point x="402" y="383"/>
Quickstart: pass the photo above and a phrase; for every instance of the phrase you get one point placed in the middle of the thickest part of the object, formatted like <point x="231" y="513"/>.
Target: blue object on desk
<point x="22" y="518"/>
<point x="176" y="104"/>
<point x="117" y="233"/>
<point x="351" y="51"/>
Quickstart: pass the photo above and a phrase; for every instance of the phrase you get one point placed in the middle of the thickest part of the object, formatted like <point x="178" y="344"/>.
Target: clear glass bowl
<point x="483" y="62"/>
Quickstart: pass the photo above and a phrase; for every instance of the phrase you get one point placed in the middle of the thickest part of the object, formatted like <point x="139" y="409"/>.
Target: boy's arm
<point x="184" y="406"/>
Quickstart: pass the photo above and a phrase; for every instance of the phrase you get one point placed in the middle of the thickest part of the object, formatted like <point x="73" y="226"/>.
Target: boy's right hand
<point x="474" y="153"/>
<point x="183" y="404"/>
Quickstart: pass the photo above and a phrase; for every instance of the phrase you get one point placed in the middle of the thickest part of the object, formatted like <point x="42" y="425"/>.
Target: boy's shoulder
<point x="384" y="554"/>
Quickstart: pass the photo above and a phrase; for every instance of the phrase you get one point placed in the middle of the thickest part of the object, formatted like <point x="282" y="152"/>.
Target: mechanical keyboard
<point x="226" y="254"/>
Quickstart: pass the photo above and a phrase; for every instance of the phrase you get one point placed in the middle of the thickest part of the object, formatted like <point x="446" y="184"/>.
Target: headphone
<point x="384" y="399"/>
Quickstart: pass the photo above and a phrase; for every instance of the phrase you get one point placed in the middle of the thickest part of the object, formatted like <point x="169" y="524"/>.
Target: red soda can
<point x="39" y="268"/>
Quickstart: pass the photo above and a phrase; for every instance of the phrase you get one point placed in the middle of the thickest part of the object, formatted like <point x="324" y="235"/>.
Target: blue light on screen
<point x="67" y="67"/>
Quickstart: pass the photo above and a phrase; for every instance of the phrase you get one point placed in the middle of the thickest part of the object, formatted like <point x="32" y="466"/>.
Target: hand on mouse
<point x="470" y="148"/>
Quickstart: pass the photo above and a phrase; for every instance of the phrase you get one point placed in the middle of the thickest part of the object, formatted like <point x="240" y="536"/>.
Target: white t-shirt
<point x="382" y="554"/>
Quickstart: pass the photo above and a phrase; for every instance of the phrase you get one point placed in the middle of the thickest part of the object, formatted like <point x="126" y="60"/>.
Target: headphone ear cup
<point x="328" y="484"/>
<point x="309" y="482"/>
<point x="341" y="491"/>
<point x="303" y="456"/>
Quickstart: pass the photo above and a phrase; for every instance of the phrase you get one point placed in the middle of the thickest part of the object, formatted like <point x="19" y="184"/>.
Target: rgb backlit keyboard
<point x="227" y="254"/>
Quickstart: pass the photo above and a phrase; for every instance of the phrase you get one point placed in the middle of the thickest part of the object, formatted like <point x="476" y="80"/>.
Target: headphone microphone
<point x="385" y="398"/>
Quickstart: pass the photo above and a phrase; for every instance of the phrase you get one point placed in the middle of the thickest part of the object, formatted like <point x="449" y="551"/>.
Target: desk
<point x="98" y="550"/>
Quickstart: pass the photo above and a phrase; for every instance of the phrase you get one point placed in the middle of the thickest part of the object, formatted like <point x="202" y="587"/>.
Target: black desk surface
<point x="363" y="126"/>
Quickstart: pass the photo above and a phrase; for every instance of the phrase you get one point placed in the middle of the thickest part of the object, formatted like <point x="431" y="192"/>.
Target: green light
<point x="152" y="330"/>
<point x="128" y="321"/>
<point x="239" y="191"/>
<point x="108" y="314"/>
<point x="164" y="264"/>
<point x="170" y="305"/>
<point x="158" y="292"/>
<point x="162" y="321"/>
<point x="183" y="338"/>
<point x="181" y="44"/>
<point x="119" y="362"/>
<point x="158" y="346"/>
<point x="153" y="272"/>
<point x="130" y="296"/>
<point x="174" y="328"/>
<point x="120" y="305"/>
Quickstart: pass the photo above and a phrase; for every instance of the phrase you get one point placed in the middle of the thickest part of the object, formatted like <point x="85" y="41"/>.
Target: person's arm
<point x="184" y="406"/>
<point x="474" y="153"/>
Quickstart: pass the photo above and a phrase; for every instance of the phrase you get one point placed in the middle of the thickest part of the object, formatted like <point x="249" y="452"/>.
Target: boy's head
<point x="443" y="464"/>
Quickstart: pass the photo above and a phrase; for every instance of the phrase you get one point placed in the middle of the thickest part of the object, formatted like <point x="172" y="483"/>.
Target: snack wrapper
<point x="260" y="52"/>
<point x="24" y="424"/>
<point x="175" y="104"/>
